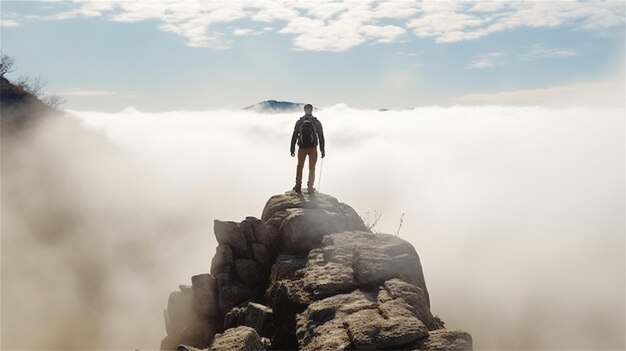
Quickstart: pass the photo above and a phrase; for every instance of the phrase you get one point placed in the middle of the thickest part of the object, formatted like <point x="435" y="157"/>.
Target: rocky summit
<point x="307" y="275"/>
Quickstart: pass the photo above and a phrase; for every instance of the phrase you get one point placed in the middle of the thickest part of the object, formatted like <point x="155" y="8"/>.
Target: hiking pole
<point x="319" y="184"/>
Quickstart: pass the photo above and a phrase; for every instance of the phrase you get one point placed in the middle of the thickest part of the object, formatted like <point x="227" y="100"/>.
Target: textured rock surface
<point x="307" y="275"/>
<point x="186" y="319"/>
<point x="237" y="339"/>
<point x="302" y="220"/>
<point x="363" y="319"/>
<point x="254" y="315"/>
<point x="446" y="340"/>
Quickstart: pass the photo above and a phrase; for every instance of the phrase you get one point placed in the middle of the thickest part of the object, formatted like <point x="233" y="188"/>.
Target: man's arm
<point x="294" y="137"/>
<point x="320" y="137"/>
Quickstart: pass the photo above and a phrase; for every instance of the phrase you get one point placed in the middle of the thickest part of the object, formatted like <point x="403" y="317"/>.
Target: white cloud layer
<point x="517" y="214"/>
<point x="608" y="93"/>
<point x="338" y="26"/>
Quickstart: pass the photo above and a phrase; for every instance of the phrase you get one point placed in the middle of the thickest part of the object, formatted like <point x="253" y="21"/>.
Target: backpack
<point x="308" y="134"/>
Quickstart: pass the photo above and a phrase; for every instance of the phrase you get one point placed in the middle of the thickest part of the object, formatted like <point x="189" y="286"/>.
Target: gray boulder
<point x="259" y="317"/>
<point x="302" y="220"/>
<point x="253" y="315"/>
<point x="229" y="233"/>
<point x="242" y="261"/>
<point x="232" y="294"/>
<point x="358" y="320"/>
<point x="249" y="272"/>
<point x="261" y="254"/>
<point x="256" y="231"/>
<point x="350" y="260"/>
<point x="446" y="340"/>
<point x="235" y="317"/>
<point x="223" y="261"/>
<point x="237" y="339"/>
<point x="190" y="319"/>
<point x="205" y="295"/>
<point x="415" y="297"/>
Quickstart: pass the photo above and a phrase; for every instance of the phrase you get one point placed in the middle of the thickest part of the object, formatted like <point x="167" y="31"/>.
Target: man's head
<point x="308" y="109"/>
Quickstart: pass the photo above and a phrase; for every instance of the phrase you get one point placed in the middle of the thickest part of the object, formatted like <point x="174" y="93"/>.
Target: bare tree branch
<point x="6" y="64"/>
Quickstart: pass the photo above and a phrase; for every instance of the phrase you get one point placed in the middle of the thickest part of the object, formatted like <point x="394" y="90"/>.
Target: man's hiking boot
<point x="311" y="191"/>
<point x="297" y="188"/>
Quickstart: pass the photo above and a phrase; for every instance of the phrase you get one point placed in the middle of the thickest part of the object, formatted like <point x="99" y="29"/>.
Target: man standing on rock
<point x="309" y="133"/>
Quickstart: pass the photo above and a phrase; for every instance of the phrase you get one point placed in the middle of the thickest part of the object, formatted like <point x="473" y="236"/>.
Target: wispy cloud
<point x="7" y="23"/>
<point x="342" y="25"/>
<point x="541" y="51"/>
<point x="247" y="31"/>
<point x="487" y="60"/>
<point x="78" y="92"/>
<point x="536" y="51"/>
<point x="242" y="31"/>
<point x="405" y="53"/>
<point x="598" y="93"/>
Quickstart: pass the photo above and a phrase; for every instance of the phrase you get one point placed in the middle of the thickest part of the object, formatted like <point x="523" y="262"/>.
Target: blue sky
<point x="164" y="55"/>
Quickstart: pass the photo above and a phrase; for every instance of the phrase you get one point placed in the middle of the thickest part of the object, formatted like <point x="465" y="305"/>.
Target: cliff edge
<point x="307" y="275"/>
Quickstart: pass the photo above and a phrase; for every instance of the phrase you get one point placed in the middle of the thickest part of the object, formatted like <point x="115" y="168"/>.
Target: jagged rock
<point x="235" y="317"/>
<point x="415" y="297"/>
<point x="321" y="278"/>
<point x="241" y="338"/>
<point x="368" y="330"/>
<point x="248" y="271"/>
<point x="358" y="320"/>
<point x="291" y="199"/>
<point x="234" y="294"/>
<point x="205" y="294"/>
<point x="321" y="326"/>
<point x="286" y="265"/>
<point x="261" y="254"/>
<point x="303" y="220"/>
<point x="188" y="321"/>
<point x="376" y="258"/>
<point x="446" y="340"/>
<point x="303" y="229"/>
<point x="256" y="231"/>
<point x="266" y="343"/>
<point x="254" y="315"/>
<point x="180" y="311"/>
<point x="341" y="265"/>
<point x="242" y="261"/>
<point x="284" y="268"/>
<point x="285" y="305"/>
<point x="223" y="261"/>
<point x="332" y="286"/>
<point x="258" y="317"/>
<point x="229" y="233"/>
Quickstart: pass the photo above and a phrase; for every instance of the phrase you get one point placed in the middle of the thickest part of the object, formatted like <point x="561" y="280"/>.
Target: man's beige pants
<point x="302" y="154"/>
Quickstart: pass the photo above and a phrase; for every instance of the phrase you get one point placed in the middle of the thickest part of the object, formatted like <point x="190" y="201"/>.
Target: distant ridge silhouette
<point x="274" y="106"/>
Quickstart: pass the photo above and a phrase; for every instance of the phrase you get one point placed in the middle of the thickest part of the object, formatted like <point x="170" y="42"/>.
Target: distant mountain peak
<point x="275" y="106"/>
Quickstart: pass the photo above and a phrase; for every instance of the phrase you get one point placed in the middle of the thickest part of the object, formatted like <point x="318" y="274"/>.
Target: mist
<point x="517" y="214"/>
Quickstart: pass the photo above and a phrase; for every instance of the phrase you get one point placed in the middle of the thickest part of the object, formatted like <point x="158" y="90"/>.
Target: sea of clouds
<point x="517" y="214"/>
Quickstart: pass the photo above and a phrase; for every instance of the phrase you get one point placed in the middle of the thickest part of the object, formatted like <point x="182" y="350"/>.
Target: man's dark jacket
<point x="318" y="129"/>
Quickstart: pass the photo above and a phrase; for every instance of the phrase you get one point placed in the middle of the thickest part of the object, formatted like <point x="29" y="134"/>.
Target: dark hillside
<point x="19" y="108"/>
